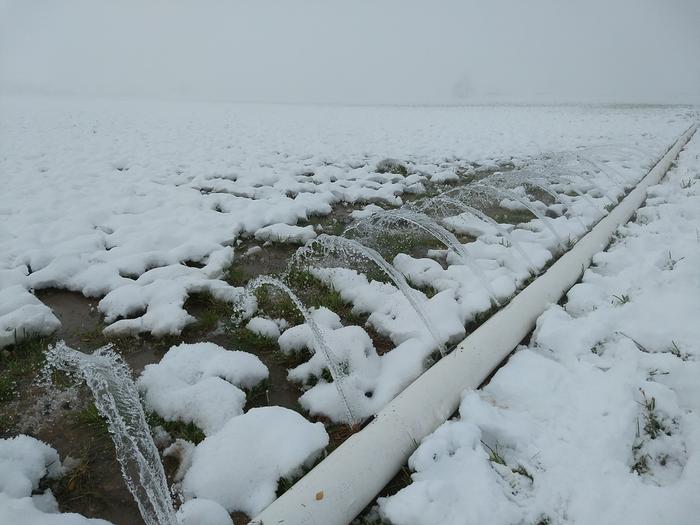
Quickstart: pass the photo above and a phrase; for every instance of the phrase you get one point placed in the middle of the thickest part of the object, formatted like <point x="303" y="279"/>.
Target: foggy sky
<point x="355" y="51"/>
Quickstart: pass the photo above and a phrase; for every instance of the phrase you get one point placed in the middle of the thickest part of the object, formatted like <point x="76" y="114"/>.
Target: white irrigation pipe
<point x="343" y="484"/>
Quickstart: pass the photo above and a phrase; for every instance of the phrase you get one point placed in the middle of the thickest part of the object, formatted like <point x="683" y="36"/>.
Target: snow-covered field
<point x="112" y="199"/>
<point x="141" y="205"/>
<point x="597" y="420"/>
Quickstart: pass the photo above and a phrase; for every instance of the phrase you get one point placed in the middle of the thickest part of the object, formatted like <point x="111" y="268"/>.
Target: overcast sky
<point x="356" y="51"/>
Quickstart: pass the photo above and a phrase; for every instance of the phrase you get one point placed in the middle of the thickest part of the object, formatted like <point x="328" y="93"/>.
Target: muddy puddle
<point x="80" y="320"/>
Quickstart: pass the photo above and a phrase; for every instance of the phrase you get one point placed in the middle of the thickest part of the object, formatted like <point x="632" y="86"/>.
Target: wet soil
<point x="97" y="488"/>
<point x="80" y="320"/>
<point x="94" y="487"/>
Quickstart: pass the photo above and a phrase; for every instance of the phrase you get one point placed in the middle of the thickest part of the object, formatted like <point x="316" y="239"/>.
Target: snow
<point x="253" y="250"/>
<point x="373" y="380"/>
<point x="299" y="337"/>
<point x="142" y="205"/>
<point x="22" y="314"/>
<point x="598" y="419"/>
<point x="25" y="511"/>
<point x="200" y="383"/>
<point x="239" y="466"/>
<point x="506" y="256"/>
<point x="240" y="462"/>
<point x="139" y="204"/>
<point x="159" y="295"/>
<point x="24" y="461"/>
<point x="286" y="233"/>
<point x="370" y="380"/>
<point x="264" y="327"/>
<point x="202" y="512"/>
<point x="366" y="211"/>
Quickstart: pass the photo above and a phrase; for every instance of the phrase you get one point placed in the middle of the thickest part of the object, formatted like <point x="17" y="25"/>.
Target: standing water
<point x="117" y="400"/>
<point x="343" y="244"/>
<point x="319" y="341"/>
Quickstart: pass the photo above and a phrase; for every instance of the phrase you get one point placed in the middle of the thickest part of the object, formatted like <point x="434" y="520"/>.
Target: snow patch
<point x="200" y="383"/>
<point x="24" y="461"/>
<point x="239" y="466"/>
<point x="286" y="233"/>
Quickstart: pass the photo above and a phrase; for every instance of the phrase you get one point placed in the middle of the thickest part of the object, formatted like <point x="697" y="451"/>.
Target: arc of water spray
<point x="556" y="197"/>
<point x="591" y="181"/>
<point x="513" y="196"/>
<point x="589" y="201"/>
<point x="465" y="208"/>
<point x="446" y="237"/>
<point x="319" y="340"/>
<point x="536" y="182"/>
<point x="542" y="183"/>
<point x="396" y="277"/>
<point x="606" y="172"/>
<point x="117" y="400"/>
<point x="612" y="174"/>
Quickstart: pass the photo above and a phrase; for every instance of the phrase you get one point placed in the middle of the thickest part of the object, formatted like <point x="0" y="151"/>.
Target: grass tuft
<point x="620" y="299"/>
<point x="671" y="264"/>
<point x="392" y="166"/>
<point x="177" y="429"/>
<point x="641" y="466"/>
<point x="653" y="423"/>
<point x="90" y="418"/>
<point x="81" y="483"/>
<point x="494" y="455"/>
<point x="19" y="362"/>
<point x="236" y="275"/>
<point x="209" y="311"/>
<point x="524" y="472"/>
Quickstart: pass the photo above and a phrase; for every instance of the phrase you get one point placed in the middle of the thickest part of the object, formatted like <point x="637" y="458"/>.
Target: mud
<point x="95" y="486"/>
<point x="81" y="322"/>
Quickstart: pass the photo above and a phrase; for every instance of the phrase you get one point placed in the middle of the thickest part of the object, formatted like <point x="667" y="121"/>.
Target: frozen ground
<point x="597" y="420"/>
<point x="141" y="204"/>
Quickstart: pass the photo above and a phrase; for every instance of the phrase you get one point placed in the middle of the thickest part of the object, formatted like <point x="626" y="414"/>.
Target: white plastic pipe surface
<point x="343" y="484"/>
